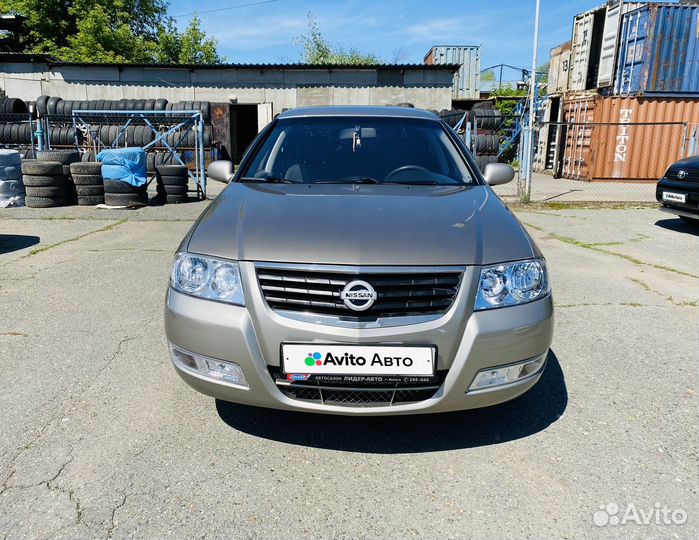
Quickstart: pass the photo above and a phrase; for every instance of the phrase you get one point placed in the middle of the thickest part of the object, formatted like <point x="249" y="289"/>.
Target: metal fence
<point x="602" y="162"/>
<point x="168" y="137"/>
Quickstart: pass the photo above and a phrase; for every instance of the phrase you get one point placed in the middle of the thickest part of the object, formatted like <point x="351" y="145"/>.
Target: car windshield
<point x="376" y="150"/>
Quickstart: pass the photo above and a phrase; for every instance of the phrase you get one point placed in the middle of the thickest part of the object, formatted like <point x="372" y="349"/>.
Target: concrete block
<point x="280" y="98"/>
<point x="245" y="95"/>
<point x="314" y="96"/>
<point x="348" y="95"/>
<point x="26" y="89"/>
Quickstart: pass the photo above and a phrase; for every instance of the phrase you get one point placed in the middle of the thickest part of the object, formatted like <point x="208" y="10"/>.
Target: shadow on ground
<point x="15" y="242"/>
<point x="527" y="415"/>
<point x="679" y="225"/>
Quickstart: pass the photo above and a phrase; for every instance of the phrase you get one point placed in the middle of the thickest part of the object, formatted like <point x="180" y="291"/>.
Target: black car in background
<point x="678" y="190"/>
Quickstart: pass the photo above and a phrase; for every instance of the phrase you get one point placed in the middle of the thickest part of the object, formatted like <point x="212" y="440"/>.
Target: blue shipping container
<point x="659" y="51"/>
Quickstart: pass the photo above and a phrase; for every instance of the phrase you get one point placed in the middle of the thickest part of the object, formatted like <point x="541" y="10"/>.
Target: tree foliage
<point x="318" y="50"/>
<point x="128" y="31"/>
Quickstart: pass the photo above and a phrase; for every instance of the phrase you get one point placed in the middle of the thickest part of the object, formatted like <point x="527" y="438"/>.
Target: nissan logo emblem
<point x="358" y="295"/>
<point x="681" y="174"/>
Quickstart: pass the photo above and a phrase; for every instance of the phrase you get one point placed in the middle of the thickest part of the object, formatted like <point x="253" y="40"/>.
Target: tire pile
<point x="46" y="185"/>
<point x="11" y="186"/>
<point x="172" y="183"/>
<point x="486" y="144"/>
<point x="65" y="158"/>
<point x="89" y="186"/>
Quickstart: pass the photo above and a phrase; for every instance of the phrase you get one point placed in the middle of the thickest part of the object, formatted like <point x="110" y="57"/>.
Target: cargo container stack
<point x="630" y="104"/>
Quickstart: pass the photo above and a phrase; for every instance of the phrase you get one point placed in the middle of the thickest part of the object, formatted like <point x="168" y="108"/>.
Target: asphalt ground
<point x="101" y="439"/>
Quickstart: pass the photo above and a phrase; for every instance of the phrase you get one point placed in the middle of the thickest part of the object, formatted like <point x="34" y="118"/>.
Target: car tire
<point x="64" y="157"/>
<point x="176" y="199"/>
<point x="86" y="168"/>
<point x="90" y="190"/>
<point x="90" y="200"/>
<point x="124" y="199"/>
<point x="176" y="171"/>
<point x="32" y="180"/>
<point x="47" y="192"/>
<point x="88" y="180"/>
<point x="42" y="168"/>
<point x="42" y="202"/>
<point x="121" y="187"/>
<point x="174" y="189"/>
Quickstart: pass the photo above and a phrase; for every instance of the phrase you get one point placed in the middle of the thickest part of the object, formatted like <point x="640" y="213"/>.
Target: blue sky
<point x="265" y="32"/>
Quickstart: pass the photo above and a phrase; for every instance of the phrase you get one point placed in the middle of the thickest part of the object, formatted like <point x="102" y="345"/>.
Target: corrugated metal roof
<point x="263" y="66"/>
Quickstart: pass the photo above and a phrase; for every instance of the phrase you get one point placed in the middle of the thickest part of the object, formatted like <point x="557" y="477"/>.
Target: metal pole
<point x="532" y="100"/>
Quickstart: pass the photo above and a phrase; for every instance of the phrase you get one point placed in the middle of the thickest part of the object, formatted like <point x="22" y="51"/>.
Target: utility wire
<point x="223" y="9"/>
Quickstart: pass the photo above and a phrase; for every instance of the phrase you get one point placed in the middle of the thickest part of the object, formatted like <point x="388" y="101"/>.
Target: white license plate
<point x="674" y="197"/>
<point x="357" y="360"/>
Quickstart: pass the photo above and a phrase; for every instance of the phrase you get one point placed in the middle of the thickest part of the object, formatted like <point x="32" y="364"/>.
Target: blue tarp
<point x="126" y="164"/>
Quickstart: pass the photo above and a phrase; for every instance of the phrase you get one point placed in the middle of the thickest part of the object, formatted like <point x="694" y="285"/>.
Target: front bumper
<point x="467" y="342"/>
<point x="690" y="190"/>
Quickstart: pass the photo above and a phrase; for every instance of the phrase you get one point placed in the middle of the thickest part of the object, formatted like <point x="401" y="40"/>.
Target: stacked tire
<point x="89" y="186"/>
<point x="45" y="184"/>
<point x="11" y="186"/>
<point x="121" y="193"/>
<point x="65" y="158"/>
<point x="172" y="183"/>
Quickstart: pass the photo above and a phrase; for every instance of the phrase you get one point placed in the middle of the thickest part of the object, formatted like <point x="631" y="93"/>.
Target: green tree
<point x="318" y="50"/>
<point x="196" y="47"/>
<point x="488" y="75"/>
<point x="109" y="31"/>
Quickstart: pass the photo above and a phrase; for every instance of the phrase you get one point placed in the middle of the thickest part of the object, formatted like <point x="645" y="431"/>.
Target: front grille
<point x="358" y="397"/>
<point x="418" y="292"/>
<point x="361" y="395"/>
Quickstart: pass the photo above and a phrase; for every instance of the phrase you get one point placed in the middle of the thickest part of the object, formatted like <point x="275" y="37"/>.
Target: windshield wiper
<point x="267" y="180"/>
<point x="362" y="180"/>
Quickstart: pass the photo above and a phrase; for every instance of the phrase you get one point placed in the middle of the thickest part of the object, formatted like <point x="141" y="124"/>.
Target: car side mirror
<point x="498" y="173"/>
<point x="220" y="170"/>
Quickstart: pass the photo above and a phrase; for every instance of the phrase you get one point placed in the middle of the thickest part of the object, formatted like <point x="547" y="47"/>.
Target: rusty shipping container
<point x="610" y="39"/>
<point x="586" y="44"/>
<point x="659" y="51"/>
<point x="631" y="139"/>
<point x="558" y="69"/>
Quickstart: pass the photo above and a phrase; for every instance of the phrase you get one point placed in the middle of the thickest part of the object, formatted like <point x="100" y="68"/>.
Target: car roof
<point x="347" y="110"/>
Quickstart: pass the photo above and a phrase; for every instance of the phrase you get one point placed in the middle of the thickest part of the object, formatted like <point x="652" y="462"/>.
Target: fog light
<point x="498" y="376"/>
<point x="212" y="368"/>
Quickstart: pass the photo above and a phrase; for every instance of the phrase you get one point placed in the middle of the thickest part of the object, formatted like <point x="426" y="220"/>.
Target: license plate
<point x="674" y="197"/>
<point x="358" y="360"/>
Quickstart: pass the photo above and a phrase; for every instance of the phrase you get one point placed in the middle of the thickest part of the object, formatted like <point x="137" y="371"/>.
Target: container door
<point x="580" y="51"/>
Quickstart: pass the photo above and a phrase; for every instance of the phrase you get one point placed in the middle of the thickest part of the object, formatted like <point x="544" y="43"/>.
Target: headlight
<point x="208" y="278"/>
<point x="513" y="283"/>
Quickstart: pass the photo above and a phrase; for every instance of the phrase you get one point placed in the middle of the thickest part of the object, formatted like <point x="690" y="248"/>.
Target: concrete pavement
<point x="102" y="439"/>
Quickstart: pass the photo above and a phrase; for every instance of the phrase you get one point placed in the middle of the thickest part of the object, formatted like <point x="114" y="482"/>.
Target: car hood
<point x="360" y="225"/>
<point x="689" y="165"/>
